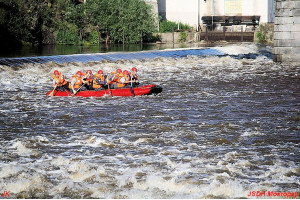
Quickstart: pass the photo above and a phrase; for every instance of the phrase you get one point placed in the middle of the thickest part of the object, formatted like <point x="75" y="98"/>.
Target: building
<point x="191" y="11"/>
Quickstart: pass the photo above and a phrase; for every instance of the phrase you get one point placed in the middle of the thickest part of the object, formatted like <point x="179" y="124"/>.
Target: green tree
<point x="32" y="21"/>
<point x="143" y="21"/>
<point x="64" y="21"/>
<point x="134" y="21"/>
<point x="76" y="14"/>
<point x="100" y="15"/>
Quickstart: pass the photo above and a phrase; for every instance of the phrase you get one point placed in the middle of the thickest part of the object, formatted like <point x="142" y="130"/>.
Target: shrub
<point x="167" y="26"/>
<point x="265" y="33"/>
<point x="183" y="36"/>
<point x="93" y="39"/>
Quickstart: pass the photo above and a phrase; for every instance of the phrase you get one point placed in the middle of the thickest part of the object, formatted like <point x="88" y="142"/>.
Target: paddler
<point x="113" y="79"/>
<point x="123" y="79"/>
<point x="99" y="82"/>
<point x="134" y="77"/>
<point x="88" y="77"/>
<point x="76" y="83"/>
<point x="59" y="82"/>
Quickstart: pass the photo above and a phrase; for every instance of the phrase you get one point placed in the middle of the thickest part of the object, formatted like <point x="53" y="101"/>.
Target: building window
<point x="233" y="7"/>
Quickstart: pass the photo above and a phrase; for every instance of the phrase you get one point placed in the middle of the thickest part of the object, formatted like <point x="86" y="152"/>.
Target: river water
<point x="222" y="127"/>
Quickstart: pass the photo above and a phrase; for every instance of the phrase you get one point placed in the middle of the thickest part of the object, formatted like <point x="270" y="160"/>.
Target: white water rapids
<point x="222" y="127"/>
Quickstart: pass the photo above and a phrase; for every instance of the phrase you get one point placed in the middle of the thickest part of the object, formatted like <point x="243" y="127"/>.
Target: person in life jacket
<point x="59" y="81"/>
<point x="88" y="77"/>
<point x="76" y="82"/>
<point x="113" y="79"/>
<point x="99" y="82"/>
<point x="134" y="77"/>
<point x="123" y="79"/>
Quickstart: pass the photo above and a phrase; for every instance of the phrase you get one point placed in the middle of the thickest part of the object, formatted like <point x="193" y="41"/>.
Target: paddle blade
<point x="52" y="93"/>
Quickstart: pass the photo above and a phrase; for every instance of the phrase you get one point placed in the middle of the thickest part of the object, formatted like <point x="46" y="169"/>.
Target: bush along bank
<point x="38" y="22"/>
<point x="264" y="34"/>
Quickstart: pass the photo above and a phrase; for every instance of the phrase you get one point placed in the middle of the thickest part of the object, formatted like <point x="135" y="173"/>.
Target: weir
<point x="85" y="58"/>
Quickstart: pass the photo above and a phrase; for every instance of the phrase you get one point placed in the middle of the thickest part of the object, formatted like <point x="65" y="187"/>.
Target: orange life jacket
<point x="113" y="78"/>
<point x="124" y="81"/>
<point x="60" y="81"/>
<point x="78" y="82"/>
<point x="88" y="79"/>
<point x="96" y="85"/>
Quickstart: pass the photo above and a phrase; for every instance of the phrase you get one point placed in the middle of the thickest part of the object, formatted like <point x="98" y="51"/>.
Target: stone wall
<point x="287" y="31"/>
<point x="168" y="37"/>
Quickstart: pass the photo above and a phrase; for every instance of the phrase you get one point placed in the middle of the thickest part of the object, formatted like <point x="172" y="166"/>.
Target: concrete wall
<point x="191" y="11"/>
<point x="184" y="11"/>
<point x="168" y="37"/>
<point x="287" y="31"/>
<point x="155" y="11"/>
<point x="154" y="5"/>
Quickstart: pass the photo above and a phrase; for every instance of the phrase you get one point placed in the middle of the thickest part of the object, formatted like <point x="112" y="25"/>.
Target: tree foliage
<point x="73" y="22"/>
<point x="169" y="26"/>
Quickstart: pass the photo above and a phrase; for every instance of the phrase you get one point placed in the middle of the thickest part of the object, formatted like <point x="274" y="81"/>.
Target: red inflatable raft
<point x="124" y="92"/>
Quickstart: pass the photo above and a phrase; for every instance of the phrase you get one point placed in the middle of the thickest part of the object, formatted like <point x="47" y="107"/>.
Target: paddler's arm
<point x="72" y="84"/>
<point x="54" y="82"/>
<point x="98" y="80"/>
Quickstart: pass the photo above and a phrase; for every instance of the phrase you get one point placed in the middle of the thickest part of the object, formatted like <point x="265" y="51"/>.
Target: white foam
<point x="81" y="176"/>
<point x="238" y="49"/>
<point x="21" y="149"/>
<point x="24" y="183"/>
<point x="231" y="189"/>
<point x="60" y="161"/>
<point x="78" y="166"/>
<point x="9" y="170"/>
<point x="94" y="141"/>
<point x="251" y="133"/>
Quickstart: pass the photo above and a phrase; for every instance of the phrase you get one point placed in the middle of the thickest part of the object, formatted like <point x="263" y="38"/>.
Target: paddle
<point x="108" y="77"/>
<point x="79" y="89"/>
<point x="51" y="93"/>
<point x="131" y="88"/>
<point x="109" y="90"/>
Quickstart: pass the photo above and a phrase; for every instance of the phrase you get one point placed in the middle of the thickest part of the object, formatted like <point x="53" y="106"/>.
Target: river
<point x="47" y="50"/>
<point x="221" y="128"/>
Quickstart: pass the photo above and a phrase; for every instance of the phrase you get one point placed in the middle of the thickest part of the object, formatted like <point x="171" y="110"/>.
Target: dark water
<point x="46" y="50"/>
<point x="221" y="128"/>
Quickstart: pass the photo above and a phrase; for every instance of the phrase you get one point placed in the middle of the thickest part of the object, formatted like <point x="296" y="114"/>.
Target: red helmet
<point x="56" y="72"/>
<point x="100" y="72"/>
<point x="119" y="71"/>
<point x="89" y="71"/>
<point x="134" y="69"/>
<point x="79" y="73"/>
<point x="125" y="72"/>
